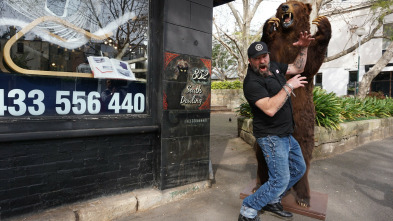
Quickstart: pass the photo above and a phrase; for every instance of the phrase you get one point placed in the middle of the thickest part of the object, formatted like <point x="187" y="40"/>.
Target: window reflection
<point x="62" y="35"/>
<point x="56" y="43"/>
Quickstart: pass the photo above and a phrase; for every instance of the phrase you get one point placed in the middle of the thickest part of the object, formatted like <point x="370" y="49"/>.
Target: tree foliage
<point x="223" y="63"/>
<point x="237" y="42"/>
<point x="130" y="35"/>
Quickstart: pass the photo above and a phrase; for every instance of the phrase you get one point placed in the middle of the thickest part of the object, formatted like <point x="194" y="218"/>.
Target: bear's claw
<point x="256" y="187"/>
<point x="303" y="202"/>
<point x="318" y="20"/>
<point x="275" y="21"/>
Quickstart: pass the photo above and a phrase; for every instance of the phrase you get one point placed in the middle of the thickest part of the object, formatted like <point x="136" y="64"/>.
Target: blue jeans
<point x="286" y="166"/>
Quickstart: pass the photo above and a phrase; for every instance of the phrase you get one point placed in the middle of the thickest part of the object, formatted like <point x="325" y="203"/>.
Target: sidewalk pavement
<point x="359" y="183"/>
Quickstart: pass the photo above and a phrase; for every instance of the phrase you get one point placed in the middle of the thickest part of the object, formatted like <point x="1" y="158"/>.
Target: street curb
<point x="115" y="206"/>
<point x="151" y="198"/>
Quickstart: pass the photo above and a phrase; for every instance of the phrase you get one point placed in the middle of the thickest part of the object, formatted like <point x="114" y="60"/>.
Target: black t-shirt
<point x="256" y="87"/>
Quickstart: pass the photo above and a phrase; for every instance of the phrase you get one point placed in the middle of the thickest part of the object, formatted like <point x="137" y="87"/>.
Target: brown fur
<point x="279" y="41"/>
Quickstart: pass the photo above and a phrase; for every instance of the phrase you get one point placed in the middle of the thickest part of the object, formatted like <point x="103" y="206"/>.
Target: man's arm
<point x="270" y="105"/>
<point x="298" y="65"/>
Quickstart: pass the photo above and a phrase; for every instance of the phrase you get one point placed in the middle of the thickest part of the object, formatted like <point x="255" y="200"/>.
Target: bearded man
<point x="269" y="95"/>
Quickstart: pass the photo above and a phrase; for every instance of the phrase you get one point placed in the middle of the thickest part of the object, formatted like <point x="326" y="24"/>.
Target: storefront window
<point x="73" y="57"/>
<point x="383" y="83"/>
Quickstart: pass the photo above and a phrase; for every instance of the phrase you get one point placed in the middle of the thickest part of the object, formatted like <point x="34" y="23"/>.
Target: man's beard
<point x="263" y="73"/>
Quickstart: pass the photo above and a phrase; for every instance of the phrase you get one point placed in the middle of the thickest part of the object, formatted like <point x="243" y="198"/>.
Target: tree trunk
<point x="242" y="41"/>
<point x="374" y="71"/>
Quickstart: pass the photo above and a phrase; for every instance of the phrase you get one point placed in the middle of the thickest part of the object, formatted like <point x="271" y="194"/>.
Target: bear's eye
<point x="296" y="5"/>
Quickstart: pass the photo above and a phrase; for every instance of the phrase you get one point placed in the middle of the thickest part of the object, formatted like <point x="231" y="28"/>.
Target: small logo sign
<point x="258" y="47"/>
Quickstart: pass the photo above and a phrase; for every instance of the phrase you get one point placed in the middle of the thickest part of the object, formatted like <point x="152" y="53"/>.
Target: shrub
<point x="352" y="109"/>
<point x="244" y="110"/>
<point x="379" y="94"/>
<point x="327" y="109"/>
<point x="227" y="85"/>
<point x="376" y="107"/>
<point x="389" y="105"/>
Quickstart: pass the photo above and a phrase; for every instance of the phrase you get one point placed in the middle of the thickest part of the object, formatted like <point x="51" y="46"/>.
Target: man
<point x="269" y="94"/>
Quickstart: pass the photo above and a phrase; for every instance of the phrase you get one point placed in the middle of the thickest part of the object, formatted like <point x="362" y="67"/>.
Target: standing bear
<point x="279" y="33"/>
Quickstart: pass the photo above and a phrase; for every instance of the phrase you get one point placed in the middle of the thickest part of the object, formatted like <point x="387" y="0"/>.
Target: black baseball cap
<point x="256" y="49"/>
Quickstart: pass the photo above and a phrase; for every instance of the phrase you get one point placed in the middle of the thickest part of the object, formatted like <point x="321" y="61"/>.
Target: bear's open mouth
<point x="287" y="19"/>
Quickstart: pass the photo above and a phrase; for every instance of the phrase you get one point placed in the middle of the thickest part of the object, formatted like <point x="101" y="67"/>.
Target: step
<point x="220" y="109"/>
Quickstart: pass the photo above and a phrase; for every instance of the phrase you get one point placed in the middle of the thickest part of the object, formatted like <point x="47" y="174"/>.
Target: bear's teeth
<point x="288" y="17"/>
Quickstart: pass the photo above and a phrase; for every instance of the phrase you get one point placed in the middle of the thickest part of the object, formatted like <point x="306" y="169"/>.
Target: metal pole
<point x="357" y="76"/>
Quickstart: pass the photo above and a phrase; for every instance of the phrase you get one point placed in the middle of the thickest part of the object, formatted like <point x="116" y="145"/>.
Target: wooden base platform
<point x="318" y="203"/>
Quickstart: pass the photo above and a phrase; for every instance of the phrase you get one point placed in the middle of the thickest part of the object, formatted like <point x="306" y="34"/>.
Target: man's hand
<point x="297" y="81"/>
<point x="270" y="105"/>
<point x="299" y="63"/>
<point x="304" y="40"/>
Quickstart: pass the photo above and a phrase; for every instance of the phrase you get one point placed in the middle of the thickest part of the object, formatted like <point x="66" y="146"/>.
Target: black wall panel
<point x="178" y="12"/>
<point x="190" y="172"/>
<point x="188" y="41"/>
<point x="188" y="27"/>
<point x="185" y="127"/>
<point x="45" y="173"/>
<point x="207" y="3"/>
<point x="201" y="18"/>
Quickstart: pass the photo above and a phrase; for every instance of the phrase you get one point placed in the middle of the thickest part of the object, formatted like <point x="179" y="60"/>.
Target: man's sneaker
<point x="277" y="210"/>
<point x="243" y="218"/>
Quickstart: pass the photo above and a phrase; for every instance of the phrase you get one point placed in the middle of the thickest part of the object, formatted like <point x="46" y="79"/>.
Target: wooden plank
<point x="317" y="209"/>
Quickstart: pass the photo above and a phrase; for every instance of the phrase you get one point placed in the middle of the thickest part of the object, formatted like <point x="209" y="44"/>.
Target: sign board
<point x="24" y="95"/>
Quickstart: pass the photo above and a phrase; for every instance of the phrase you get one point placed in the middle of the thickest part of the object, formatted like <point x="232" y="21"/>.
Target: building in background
<point x="343" y="74"/>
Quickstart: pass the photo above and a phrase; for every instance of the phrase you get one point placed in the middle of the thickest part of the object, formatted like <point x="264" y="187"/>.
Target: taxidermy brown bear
<point x="280" y="33"/>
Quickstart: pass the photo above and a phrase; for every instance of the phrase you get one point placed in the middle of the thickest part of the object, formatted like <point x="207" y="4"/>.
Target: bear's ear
<point x="309" y="8"/>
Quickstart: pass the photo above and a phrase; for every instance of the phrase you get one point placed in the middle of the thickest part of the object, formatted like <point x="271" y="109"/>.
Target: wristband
<point x="291" y="87"/>
<point x="286" y="90"/>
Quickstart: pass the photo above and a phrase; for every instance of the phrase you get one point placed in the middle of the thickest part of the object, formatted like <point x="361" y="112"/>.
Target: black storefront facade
<point x="61" y="143"/>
